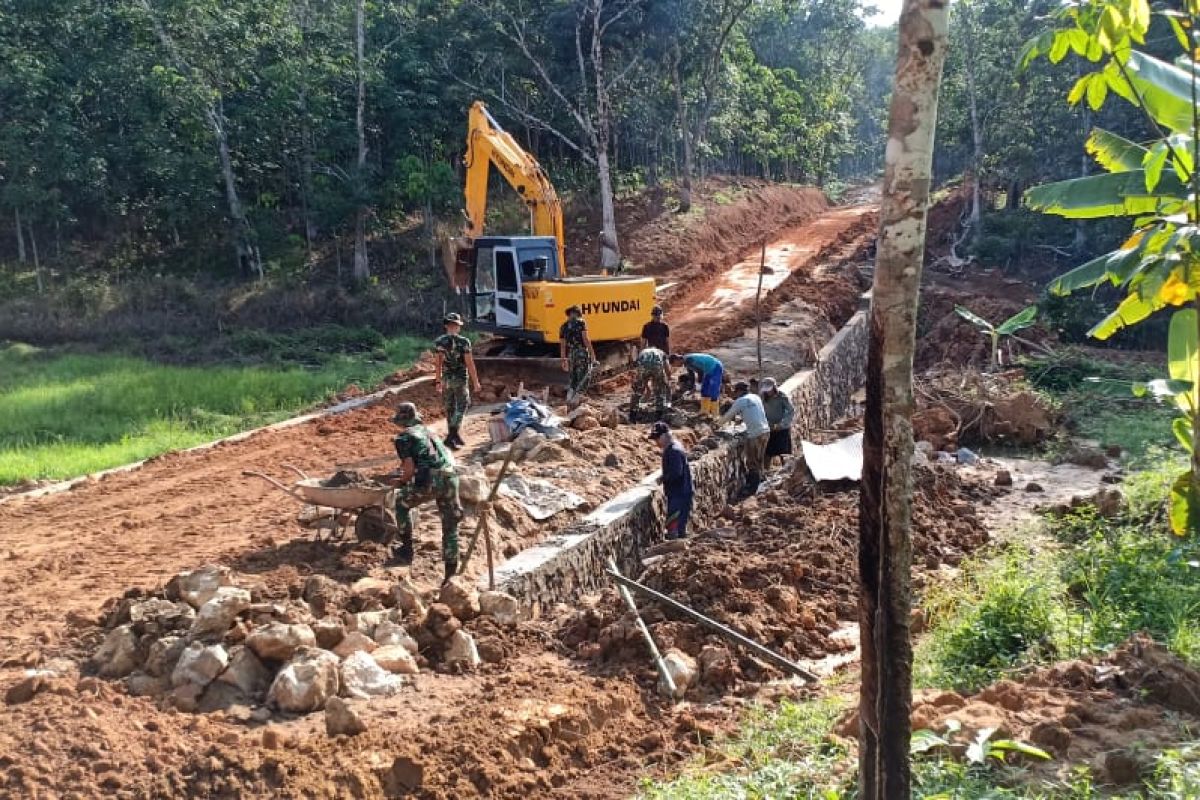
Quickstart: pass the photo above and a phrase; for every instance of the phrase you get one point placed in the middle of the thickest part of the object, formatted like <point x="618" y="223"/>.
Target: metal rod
<point x="663" y="673"/>
<point x="718" y="628"/>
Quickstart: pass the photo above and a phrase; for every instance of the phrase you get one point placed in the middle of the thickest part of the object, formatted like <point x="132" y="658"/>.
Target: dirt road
<point x="62" y="556"/>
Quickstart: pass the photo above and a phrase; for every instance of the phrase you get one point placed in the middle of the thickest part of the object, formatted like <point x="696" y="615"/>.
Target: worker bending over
<point x="455" y="367"/>
<point x="651" y="373"/>
<point x="676" y="480"/>
<point x="706" y="372"/>
<point x="426" y="473"/>
<point x="780" y="413"/>
<point x="750" y="408"/>
<point x="657" y="333"/>
<point x="578" y="356"/>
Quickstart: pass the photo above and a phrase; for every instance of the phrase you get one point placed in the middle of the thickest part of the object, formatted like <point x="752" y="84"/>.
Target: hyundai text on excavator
<point x="517" y="287"/>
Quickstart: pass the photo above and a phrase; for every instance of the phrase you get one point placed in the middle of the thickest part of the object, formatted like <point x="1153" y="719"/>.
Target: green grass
<point x="1097" y="397"/>
<point x="66" y="414"/>
<point x="779" y="752"/>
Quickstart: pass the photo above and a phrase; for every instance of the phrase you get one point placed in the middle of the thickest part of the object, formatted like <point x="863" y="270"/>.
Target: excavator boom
<point x="487" y="144"/>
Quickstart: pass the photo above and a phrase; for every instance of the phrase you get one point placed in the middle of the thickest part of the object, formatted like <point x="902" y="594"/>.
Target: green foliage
<point x="1017" y="322"/>
<point x="999" y="615"/>
<point x="65" y="414"/>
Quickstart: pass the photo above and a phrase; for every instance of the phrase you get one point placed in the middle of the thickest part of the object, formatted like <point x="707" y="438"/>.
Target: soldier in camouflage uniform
<point x="652" y="373"/>
<point x="426" y="473"/>
<point x="455" y="366"/>
<point x="578" y="357"/>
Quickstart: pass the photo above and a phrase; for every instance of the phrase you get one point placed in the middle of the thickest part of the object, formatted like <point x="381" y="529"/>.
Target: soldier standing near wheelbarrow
<point x="455" y="366"/>
<point x="426" y="473"/>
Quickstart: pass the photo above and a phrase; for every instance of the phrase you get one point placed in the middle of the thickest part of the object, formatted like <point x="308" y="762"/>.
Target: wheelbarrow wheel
<point x="375" y="524"/>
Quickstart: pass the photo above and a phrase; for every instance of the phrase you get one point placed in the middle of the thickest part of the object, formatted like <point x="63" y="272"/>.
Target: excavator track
<point x="513" y="363"/>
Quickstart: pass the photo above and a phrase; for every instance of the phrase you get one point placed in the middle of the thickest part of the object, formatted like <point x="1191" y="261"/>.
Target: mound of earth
<point x="782" y="571"/>
<point x="1109" y="714"/>
<point x="966" y="407"/>
<point x="945" y="338"/>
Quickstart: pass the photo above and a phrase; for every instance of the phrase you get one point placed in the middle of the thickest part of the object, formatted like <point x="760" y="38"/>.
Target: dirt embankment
<point x="782" y="569"/>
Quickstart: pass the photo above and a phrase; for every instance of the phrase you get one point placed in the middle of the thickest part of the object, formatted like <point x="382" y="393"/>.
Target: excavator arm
<point x="487" y="144"/>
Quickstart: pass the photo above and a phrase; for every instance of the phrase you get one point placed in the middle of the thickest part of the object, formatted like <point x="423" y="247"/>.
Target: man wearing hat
<point x="750" y="408"/>
<point x="455" y="366"/>
<point x="426" y="473"/>
<point x="780" y="413"/>
<point x="656" y="333"/>
<point x="575" y="350"/>
<point x="651" y="373"/>
<point x="676" y="480"/>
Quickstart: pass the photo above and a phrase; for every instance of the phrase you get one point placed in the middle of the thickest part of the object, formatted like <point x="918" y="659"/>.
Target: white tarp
<point x="542" y="500"/>
<point x="840" y="461"/>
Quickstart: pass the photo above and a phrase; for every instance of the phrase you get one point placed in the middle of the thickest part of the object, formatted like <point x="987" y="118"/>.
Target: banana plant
<point x="1019" y="321"/>
<point x="1156" y="184"/>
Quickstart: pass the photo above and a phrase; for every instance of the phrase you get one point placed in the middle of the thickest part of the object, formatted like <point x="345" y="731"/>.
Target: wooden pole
<point x="762" y="267"/>
<point x="462" y="567"/>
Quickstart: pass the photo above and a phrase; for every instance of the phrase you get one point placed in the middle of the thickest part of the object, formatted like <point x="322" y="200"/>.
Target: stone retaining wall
<point x="574" y="560"/>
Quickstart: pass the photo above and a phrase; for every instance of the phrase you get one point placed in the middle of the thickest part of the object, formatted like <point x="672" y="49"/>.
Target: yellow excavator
<point x="517" y="287"/>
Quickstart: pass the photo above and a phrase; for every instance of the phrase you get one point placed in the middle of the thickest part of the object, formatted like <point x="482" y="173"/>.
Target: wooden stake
<point x="762" y="267"/>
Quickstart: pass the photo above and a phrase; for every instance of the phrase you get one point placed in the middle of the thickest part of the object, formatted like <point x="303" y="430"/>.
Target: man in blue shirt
<point x="749" y="407"/>
<point x="706" y="372"/>
<point x="676" y="480"/>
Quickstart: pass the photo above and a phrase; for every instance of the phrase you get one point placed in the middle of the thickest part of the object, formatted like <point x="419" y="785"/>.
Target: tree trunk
<point x="885" y="514"/>
<point x="685" y="135"/>
<point x="37" y="261"/>
<point x="362" y="267"/>
<point x="1080" y="242"/>
<point x="610" y="250"/>
<point x="976" y="128"/>
<point x="248" y="258"/>
<point x="20" y="235"/>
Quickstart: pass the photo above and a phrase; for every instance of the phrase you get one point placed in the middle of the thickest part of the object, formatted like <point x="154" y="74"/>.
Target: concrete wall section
<point x="574" y="560"/>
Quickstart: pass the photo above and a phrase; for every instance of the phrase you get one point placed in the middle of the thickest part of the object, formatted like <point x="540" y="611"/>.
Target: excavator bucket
<point x="456" y="254"/>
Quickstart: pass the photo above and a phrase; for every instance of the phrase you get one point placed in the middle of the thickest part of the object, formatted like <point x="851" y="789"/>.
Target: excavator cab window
<point x="534" y="269"/>
<point x="485" y="285"/>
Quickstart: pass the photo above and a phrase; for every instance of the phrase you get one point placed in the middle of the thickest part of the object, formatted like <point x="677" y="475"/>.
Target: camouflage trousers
<point x="456" y="399"/>
<point x="581" y="371"/>
<point x="656" y="382"/>
<point x="442" y="488"/>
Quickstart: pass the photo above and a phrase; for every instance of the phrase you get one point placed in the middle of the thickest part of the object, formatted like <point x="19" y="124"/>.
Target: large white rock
<point x="354" y="642"/>
<point x="217" y="615"/>
<point x="341" y="719"/>
<point x="118" y="653"/>
<point x="408" y="597"/>
<point x="163" y="655"/>
<point x="198" y="586"/>
<point x="305" y="682"/>
<point x="362" y="677"/>
<point x="461" y="597"/>
<point x="396" y="659"/>
<point x="500" y="606"/>
<point x="682" y="669"/>
<point x="461" y="650"/>
<point x="389" y="633"/>
<point x="279" y="642"/>
<point x="199" y="665"/>
<point x="329" y="631"/>
<point x="365" y="621"/>
<point x="370" y="588"/>
<point x="473" y="488"/>
<point x="162" y="614"/>
<point x="246" y="672"/>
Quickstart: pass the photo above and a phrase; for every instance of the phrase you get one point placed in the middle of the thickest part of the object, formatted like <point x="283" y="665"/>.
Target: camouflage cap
<point x="452" y="319"/>
<point x="406" y="414"/>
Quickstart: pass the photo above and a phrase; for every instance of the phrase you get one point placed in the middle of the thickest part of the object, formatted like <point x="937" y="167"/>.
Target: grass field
<point x="68" y="414"/>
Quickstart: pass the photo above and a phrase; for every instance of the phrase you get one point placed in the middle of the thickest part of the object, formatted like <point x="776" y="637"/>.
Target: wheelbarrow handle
<point x="285" y="489"/>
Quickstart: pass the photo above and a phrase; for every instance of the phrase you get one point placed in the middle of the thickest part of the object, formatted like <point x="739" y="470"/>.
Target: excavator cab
<point x="501" y="269"/>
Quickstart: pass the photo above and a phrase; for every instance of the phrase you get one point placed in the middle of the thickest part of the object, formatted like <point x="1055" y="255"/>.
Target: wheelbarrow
<point x="367" y="508"/>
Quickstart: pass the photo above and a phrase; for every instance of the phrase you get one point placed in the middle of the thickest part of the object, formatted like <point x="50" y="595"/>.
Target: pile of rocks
<point x="209" y="641"/>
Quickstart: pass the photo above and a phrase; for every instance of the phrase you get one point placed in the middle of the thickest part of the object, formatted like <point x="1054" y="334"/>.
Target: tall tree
<point x="362" y="267"/>
<point x="885" y="514"/>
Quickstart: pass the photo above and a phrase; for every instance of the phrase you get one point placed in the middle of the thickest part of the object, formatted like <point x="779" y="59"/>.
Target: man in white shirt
<point x="749" y="407"/>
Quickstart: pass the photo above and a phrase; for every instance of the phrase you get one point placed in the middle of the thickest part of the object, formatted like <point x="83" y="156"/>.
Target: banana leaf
<point x="1114" y="153"/>
<point x="1116" y="194"/>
